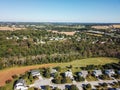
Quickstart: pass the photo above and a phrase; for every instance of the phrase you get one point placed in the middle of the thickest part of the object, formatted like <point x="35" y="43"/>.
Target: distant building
<point x="42" y="42"/>
<point x="25" y="38"/>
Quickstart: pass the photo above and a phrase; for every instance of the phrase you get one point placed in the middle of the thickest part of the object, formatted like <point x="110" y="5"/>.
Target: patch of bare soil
<point x="8" y="73"/>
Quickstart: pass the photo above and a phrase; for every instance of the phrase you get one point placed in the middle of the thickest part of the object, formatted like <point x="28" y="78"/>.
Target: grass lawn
<point x="88" y="61"/>
<point x="91" y="78"/>
<point x="84" y="62"/>
<point x="10" y="85"/>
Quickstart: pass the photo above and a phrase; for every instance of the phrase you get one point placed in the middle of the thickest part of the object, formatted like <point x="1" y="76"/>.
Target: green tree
<point x="73" y="87"/>
<point x="47" y="87"/>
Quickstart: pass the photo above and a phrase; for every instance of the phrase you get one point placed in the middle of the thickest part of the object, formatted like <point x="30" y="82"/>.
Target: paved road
<point x="43" y="81"/>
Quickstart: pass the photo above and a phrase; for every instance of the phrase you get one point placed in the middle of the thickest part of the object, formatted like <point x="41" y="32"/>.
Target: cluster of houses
<point x="38" y="41"/>
<point x="17" y="38"/>
<point x="96" y="73"/>
<point x="56" y="38"/>
<point x="21" y="85"/>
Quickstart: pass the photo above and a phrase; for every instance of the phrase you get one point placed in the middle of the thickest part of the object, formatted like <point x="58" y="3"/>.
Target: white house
<point x="42" y="42"/>
<point x="25" y="38"/>
<point x="83" y="73"/>
<point x="35" y="73"/>
<point x="69" y="74"/>
<point x="109" y="72"/>
<point x="20" y="85"/>
<point x="97" y="72"/>
<point x="53" y="71"/>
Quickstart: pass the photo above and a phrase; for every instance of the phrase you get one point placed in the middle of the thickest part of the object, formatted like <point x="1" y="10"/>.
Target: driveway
<point x="44" y="81"/>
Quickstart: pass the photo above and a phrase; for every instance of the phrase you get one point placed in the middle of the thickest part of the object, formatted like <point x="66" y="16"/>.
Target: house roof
<point x="21" y="81"/>
<point x="97" y="72"/>
<point x="109" y="71"/>
<point x="35" y="71"/>
<point x="83" y="73"/>
<point x="53" y="70"/>
<point x="68" y="73"/>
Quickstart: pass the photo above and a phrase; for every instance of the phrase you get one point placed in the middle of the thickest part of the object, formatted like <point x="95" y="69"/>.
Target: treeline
<point x="59" y="52"/>
<point x="25" y="52"/>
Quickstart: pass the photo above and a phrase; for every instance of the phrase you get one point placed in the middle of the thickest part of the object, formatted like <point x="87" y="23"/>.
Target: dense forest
<point x="25" y="47"/>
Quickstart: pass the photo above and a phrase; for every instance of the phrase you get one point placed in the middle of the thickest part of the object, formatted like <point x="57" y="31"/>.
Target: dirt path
<point x="8" y="73"/>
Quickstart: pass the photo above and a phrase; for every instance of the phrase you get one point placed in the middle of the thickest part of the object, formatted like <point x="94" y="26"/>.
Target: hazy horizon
<point x="73" y="11"/>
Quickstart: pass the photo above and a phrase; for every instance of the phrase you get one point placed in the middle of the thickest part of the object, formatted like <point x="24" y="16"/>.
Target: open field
<point x="100" y="27"/>
<point x="10" y="28"/>
<point x="66" y="33"/>
<point x="116" y="26"/>
<point x="106" y="27"/>
<point x="93" y="34"/>
<point x="84" y="62"/>
<point x="8" y="73"/>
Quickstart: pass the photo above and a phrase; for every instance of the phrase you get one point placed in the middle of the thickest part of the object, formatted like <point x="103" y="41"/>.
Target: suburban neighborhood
<point x="56" y="79"/>
<point x="59" y="44"/>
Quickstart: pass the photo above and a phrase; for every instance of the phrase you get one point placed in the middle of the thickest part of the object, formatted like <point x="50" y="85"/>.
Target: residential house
<point x="97" y="73"/>
<point x="53" y="71"/>
<point x="20" y="85"/>
<point x="83" y="73"/>
<point x="42" y="42"/>
<point x="69" y="74"/>
<point x="25" y="38"/>
<point x="35" y="73"/>
<point x="109" y="72"/>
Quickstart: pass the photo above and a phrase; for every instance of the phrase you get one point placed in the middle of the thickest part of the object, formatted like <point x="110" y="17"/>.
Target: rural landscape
<point x="51" y="45"/>
<point x="42" y="54"/>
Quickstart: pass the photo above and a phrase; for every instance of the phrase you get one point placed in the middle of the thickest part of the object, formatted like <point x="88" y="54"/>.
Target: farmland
<point x="10" y="28"/>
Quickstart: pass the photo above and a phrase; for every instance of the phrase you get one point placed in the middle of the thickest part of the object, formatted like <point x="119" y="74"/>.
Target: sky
<point x="103" y="11"/>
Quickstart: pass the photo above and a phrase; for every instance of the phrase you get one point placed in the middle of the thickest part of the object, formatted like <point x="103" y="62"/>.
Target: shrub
<point x="79" y="78"/>
<point x="66" y="80"/>
<point x="56" y="88"/>
<point x="36" y="89"/>
<point x="57" y="80"/>
<point x="15" y="76"/>
<point x="47" y="87"/>
<point x="2" y="88"/>
<point x="58" y="68"/>
<point x="73" y="87"/>
<point x="88" y="86"/>
<point x="8" y="81"/>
